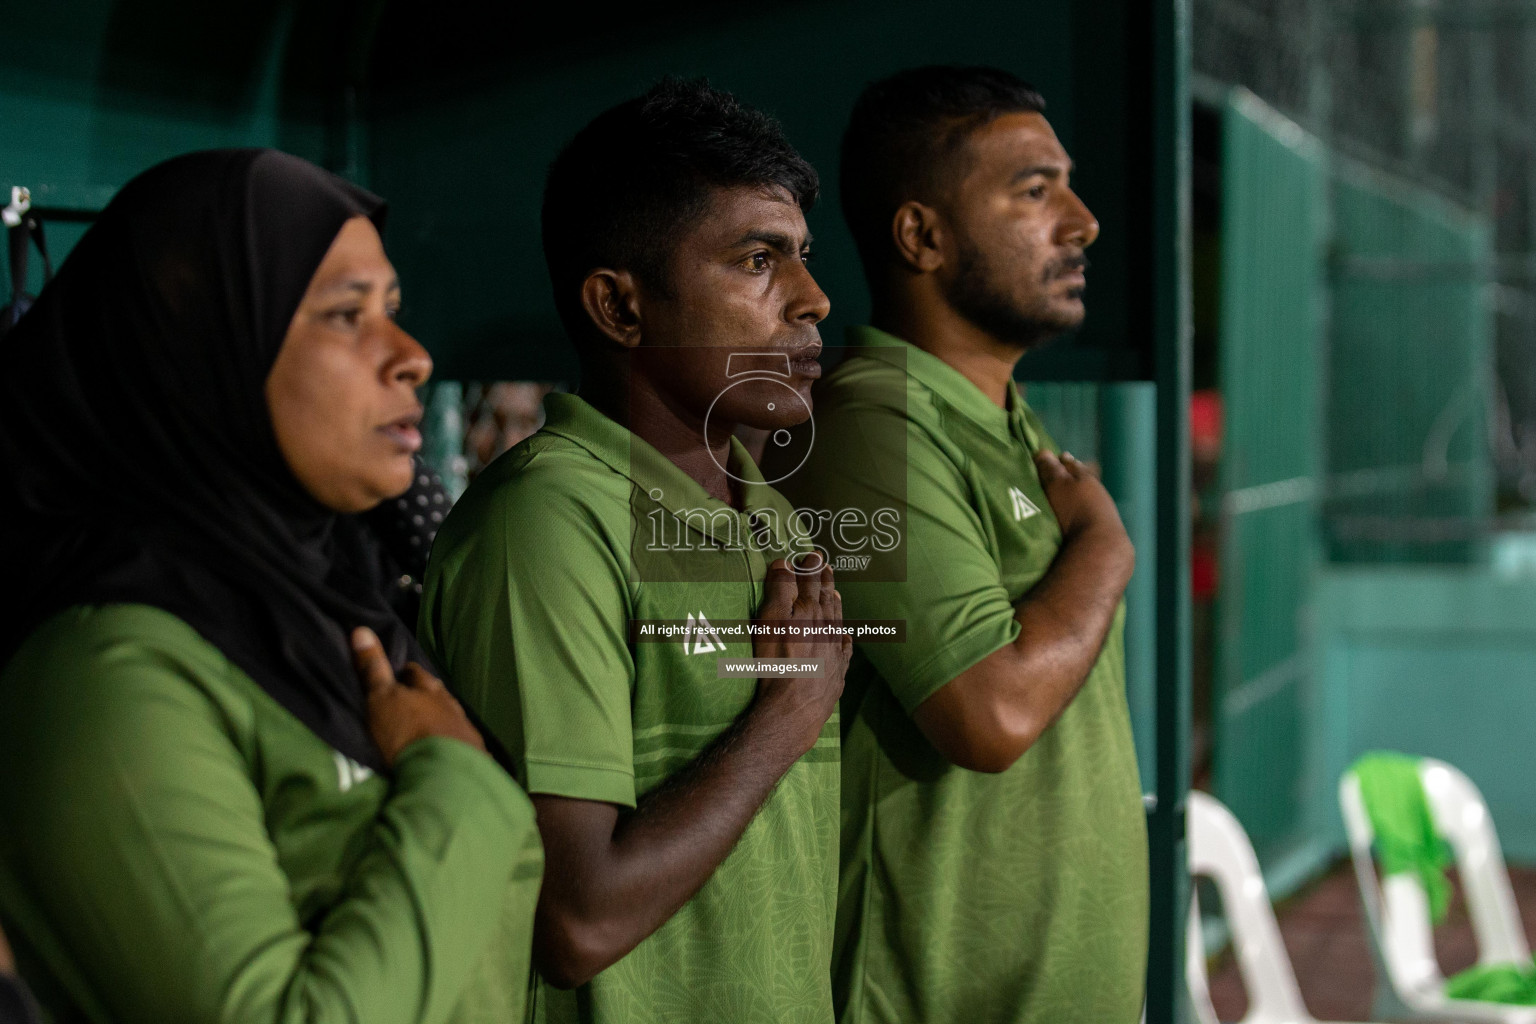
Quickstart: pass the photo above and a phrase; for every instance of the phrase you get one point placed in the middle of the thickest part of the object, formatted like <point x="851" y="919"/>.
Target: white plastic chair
<point x="1219" y="850"/>
<point x="1194" y="968"/>
<point x="1409" y="985"/>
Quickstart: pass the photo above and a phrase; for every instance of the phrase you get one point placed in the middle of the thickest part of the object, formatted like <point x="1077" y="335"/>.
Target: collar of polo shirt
<point x="653" y="473"/>
<point x="948" y="384"/>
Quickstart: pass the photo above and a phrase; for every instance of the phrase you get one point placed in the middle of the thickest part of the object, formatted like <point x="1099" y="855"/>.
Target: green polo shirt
<point x="176" y="847"/>
<point x="534" y="582"/>
<point x="968" y="898"/>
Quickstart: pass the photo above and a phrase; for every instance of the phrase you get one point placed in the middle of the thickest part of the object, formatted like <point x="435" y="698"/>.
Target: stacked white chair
<point x="1219" y="850"/>
<point x="1409" y="984"/>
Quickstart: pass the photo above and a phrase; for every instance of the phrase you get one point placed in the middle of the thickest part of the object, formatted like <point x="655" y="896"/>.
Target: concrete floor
<point x="1325" y="933"/>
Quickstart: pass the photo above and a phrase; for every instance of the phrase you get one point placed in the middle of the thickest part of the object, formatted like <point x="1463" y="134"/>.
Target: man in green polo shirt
<point x="689" y="814"/>
<point x="994" y="848"/>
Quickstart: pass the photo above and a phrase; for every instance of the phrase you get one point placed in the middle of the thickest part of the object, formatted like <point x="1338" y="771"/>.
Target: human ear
<point x="612" y="301"/>
<point x="917" y="231"/>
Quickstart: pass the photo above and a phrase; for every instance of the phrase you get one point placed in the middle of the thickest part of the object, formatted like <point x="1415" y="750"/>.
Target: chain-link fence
<point x="1438" y="97"/>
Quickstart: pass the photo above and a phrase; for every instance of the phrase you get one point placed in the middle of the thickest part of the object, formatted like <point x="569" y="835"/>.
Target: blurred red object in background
<point x="1205" y="425"/>
<point x="1205" y="422"/>
<point x="1203" y="576"/>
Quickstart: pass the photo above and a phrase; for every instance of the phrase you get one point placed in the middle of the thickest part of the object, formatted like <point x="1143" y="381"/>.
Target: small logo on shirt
<point x="349" y="773"/>
<point x="1023" y="508"/>
<point x="700" y="637"/>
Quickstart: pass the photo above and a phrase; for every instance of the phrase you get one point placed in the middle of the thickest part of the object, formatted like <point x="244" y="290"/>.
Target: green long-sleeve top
<point x="175" y="846"/>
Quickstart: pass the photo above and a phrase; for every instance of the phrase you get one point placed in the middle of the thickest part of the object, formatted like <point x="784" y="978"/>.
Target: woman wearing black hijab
<point x="218" y="800"/>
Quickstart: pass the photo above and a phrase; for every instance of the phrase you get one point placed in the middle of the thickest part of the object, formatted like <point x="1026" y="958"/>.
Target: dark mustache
<point x="1068" y="265"/>
<point x="805" y="338"/>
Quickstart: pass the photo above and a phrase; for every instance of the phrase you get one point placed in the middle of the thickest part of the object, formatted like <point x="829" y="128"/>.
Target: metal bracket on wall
<point x="21" y="202"/>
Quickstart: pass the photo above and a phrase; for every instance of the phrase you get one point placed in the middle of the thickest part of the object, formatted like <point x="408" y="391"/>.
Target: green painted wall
<point x="1434" y="661"/>
<point x="1115" y="426"/>
<point x="1127" y="424"/>
<point x="92" y="92"/>
<point x="1271" y="300"/>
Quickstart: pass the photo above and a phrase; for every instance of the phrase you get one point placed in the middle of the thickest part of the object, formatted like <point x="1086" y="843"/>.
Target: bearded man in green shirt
<point x="994" y="846"/>
<point x="689" y="815"/>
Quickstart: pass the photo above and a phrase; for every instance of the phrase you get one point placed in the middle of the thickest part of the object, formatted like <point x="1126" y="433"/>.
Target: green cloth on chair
<point x="1406" y="839"/>
<point x="1511" y="984"/>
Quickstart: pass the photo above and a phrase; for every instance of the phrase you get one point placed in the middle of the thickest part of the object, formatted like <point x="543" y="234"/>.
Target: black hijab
<point x="136" y="450"/>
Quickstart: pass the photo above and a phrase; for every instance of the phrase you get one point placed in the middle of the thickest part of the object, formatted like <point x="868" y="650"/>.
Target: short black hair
<point x="622" y="192"/>
<point x="903" y="137"/>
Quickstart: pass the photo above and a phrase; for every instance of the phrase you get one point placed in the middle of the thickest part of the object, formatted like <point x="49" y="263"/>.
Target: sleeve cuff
<point x="954" y="657"/>
<point x="581" y="781"/>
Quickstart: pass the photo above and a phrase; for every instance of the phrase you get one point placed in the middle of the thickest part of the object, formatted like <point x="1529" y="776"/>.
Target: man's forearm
<point x="612" y="892"/>
<point x="994" y="711"/>
<point x="1073" y="605"/>
<point x="1065" y="618"/>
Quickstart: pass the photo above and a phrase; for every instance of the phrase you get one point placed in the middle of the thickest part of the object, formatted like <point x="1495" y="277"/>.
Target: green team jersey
<point x="967" y="898"/>
<point x="176" y="847"/>
<point x="562" y="546"/>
